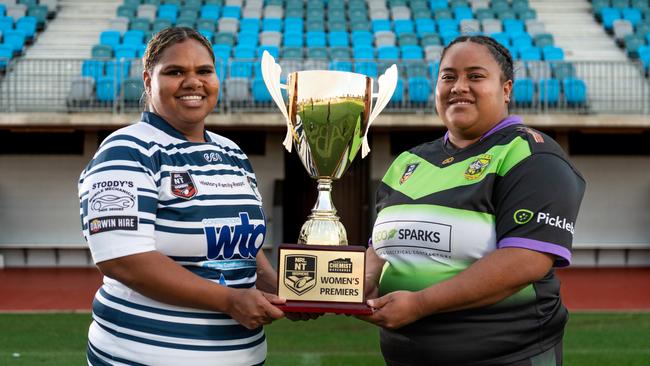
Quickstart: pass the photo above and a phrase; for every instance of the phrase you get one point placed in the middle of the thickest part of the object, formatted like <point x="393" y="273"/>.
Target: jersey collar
<point x="506" y="122"/>
<point x="160" y="123"/>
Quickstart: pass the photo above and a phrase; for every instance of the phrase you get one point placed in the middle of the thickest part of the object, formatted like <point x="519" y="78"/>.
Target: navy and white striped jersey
<point x="148" y="188"/>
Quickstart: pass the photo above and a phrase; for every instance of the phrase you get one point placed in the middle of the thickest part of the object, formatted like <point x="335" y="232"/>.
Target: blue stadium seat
<point x="260" y="91"/>
<point x="513" y="26"/>
<point x="249" y="25"/>
<point x="241" y="69"/>
<point x="110" y="37"/>
<point x="231" y="12"/>
<point x="379" y="25"/>
<point x="362" y="38"/>
<point x="341" y="65"/>
<point x="118" y="69"/>
<point x="247" y="39"/>
<point x="242" y="51"/>
<point x="126" y="51"/>
<point x="523" y="91"/>
<point x="562" y="70"/>
<point x="633" y="15"/>
<point x="272" y="24"/>
<point x="363" y="52"/>
<point x="292" y="40"/>
<point x="419" y="89"/>
<point x="133" y="37"/>
<point x="425" y="26"/>
<point x="552" y="53"/>
<point x="222" y="51"/>
<point x="6" y="54"/>
<point x="316" y="39"/>
<point x="338" y="39"/>
<point x="210" y="12"/>
<point x="27" y="24"/>
<point x="106" y="89"/>
<point x="388" y="53"/>
<point x="438" y="4"/>
<point x="6" y="24"/>
<point x="502" y="38"/>
<point x="398" y="94"/>
<point x="644" y="56"/>
<point x="92" y="68"/>
<point x="16" y="39"/>
<point x="403" y="26"/>
<point x="530" y="54"/>
<point x="575" y="91"/>
<point x="317" y="53"/>
<point x="412" y="52"/>
<point x="549" y="91"/>
<point x="608" y="16"/>
<point x="168" y="11"/>
<point x="463" y="12"/>
<point x="340" y="53"/>
<point x="367" y="68"/>
<point x="294" y="25"/>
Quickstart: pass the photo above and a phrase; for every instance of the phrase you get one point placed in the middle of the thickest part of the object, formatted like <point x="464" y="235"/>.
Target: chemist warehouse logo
<point x="524" y="216"/>
<point x="228" y="238"/>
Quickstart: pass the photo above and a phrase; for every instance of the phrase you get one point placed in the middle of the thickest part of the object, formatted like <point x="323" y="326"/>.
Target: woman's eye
<point x="447" y="77"/>
<point x="206" y="71"/>
<point x="475" y="76"/>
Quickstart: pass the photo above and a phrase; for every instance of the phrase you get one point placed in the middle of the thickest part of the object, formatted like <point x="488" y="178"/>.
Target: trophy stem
<point x="323" y="226"/>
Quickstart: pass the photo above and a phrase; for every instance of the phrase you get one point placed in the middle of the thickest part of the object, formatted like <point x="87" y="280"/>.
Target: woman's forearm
<point x="160" y="278"/>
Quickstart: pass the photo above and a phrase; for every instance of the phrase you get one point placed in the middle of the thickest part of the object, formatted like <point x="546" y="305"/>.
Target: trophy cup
<point x="328" y="117"/>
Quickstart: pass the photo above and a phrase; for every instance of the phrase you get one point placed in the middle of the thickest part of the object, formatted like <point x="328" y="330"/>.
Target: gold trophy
<point x="328" y="117"/>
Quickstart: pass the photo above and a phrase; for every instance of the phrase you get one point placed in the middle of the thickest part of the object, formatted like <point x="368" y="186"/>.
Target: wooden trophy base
<point x="293" y="306"/>
<point x="322" y="279"/>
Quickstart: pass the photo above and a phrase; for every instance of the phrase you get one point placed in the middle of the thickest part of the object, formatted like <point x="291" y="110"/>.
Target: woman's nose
<point x="192" y="81"/>
<point x="460" y="86"/>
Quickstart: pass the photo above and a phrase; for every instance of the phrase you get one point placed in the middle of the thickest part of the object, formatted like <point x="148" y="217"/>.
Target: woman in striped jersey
<point x="174" y="221"/>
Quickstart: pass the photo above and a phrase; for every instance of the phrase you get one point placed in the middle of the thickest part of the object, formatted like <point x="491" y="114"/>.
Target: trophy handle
<point x="271" y="73"/>
<point x="387" y="84"/>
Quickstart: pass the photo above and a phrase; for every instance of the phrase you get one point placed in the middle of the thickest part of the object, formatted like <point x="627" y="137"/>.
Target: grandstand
<point x="71" y="75"/>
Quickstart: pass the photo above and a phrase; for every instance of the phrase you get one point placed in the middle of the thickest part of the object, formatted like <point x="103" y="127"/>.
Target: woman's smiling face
<point x="471" y="96"/>
<point x="183" y="85"/>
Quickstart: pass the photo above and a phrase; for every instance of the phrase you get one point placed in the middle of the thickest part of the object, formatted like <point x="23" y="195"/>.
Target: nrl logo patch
<point x="182" y="185"/>
<point x="477" y="167"/>
<point x="300" y="273"/>
<point x="408" y="172"/>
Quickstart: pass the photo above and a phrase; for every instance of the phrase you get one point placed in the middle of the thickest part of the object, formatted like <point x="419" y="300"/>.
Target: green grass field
<point x="621" y="339"/>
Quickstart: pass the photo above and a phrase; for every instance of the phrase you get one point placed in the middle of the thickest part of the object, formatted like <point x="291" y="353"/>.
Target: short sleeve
<point x="537" y="204"/>
<point x="118" y="201"/>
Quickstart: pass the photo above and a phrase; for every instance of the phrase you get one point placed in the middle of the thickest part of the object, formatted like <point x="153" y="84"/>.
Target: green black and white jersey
<point x="439" y="212"/>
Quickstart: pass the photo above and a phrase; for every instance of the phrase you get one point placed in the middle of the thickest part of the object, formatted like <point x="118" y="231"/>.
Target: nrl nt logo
<point x="300" y="273"/>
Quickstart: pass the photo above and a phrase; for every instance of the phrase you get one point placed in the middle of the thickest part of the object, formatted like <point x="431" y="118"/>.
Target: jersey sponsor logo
<point x="420" y="234"/>
<point x="477" y="167"/>
<point x="227" y="238"/>
<point x="112" y="184"/>
<point x="300" y="273"/>
<point x="522" y="216"/>
<point x="212" y="157"/>
<point x="110" y="223"/>
<point x="448" y="160"/>
<point x="410" y="169"/>
<point x="556" y="221"/>
<point x="340" y="265"/>
<point x="113" y="196"/>
<point x="253" y="186"/>
<point x="183" y="185"/>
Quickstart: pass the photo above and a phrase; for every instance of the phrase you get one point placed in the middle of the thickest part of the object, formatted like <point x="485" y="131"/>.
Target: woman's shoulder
<point x="225" y="142"/>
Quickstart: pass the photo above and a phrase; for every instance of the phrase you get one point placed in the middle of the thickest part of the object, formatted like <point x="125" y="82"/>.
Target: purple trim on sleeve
<point x="370" y="243"/>
<point x="506" y="122"/>
<point x="563" y="254"/>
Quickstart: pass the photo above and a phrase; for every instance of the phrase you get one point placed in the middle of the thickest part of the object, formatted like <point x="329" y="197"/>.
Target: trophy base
<point x="325" y="307"/>
<point x="322" y="279"/>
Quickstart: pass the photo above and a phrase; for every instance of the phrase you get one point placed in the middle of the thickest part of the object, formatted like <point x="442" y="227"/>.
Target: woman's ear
<point x="146" y="77"/>
<point x="507" y="91"/>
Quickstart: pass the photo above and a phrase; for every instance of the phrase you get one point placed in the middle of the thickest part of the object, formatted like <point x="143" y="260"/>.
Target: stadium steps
<point x="33" y="85"/>
<point x="75" y="29"/>
<point x="575" y="30"/>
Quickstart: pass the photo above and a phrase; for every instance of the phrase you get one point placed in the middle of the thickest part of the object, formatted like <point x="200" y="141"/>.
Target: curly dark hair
<point x="501" y="54"/>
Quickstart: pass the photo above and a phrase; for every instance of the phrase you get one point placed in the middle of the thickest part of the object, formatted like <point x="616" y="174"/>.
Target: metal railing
<point x="44" y="85"/>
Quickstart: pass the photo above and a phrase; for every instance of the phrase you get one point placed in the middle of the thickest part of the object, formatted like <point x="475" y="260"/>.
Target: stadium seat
<point x="575" y="91"/>
<point x="388" y="53"/>
<point x="126" y="51"/>
<point x="237" y="90"/>
<point x="412" y="52"/>
<point x="132" y="90"/>
<point x="398" y="94"/>
<point x="363" y="52"/>
<point x="118" y="69"/>
<point x="273" y="50"/>
<point x="419" y="89"/>
<point x="260" y="91"/>
<point x="6" y="54"/>
<point x="81" y="92"/>
<point x="549" y="91"/>
<point x="319" y="53"/>
<point x="27" y="24"/>
<point x="106" y="89"/>
<point x="523" y="91"/>
<point x="341" y="65"/>
<point x="552" y="53"/>
<point x="367" y="68"/>
<point x="362" y="38"/>
<point x="16" y="39"/>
